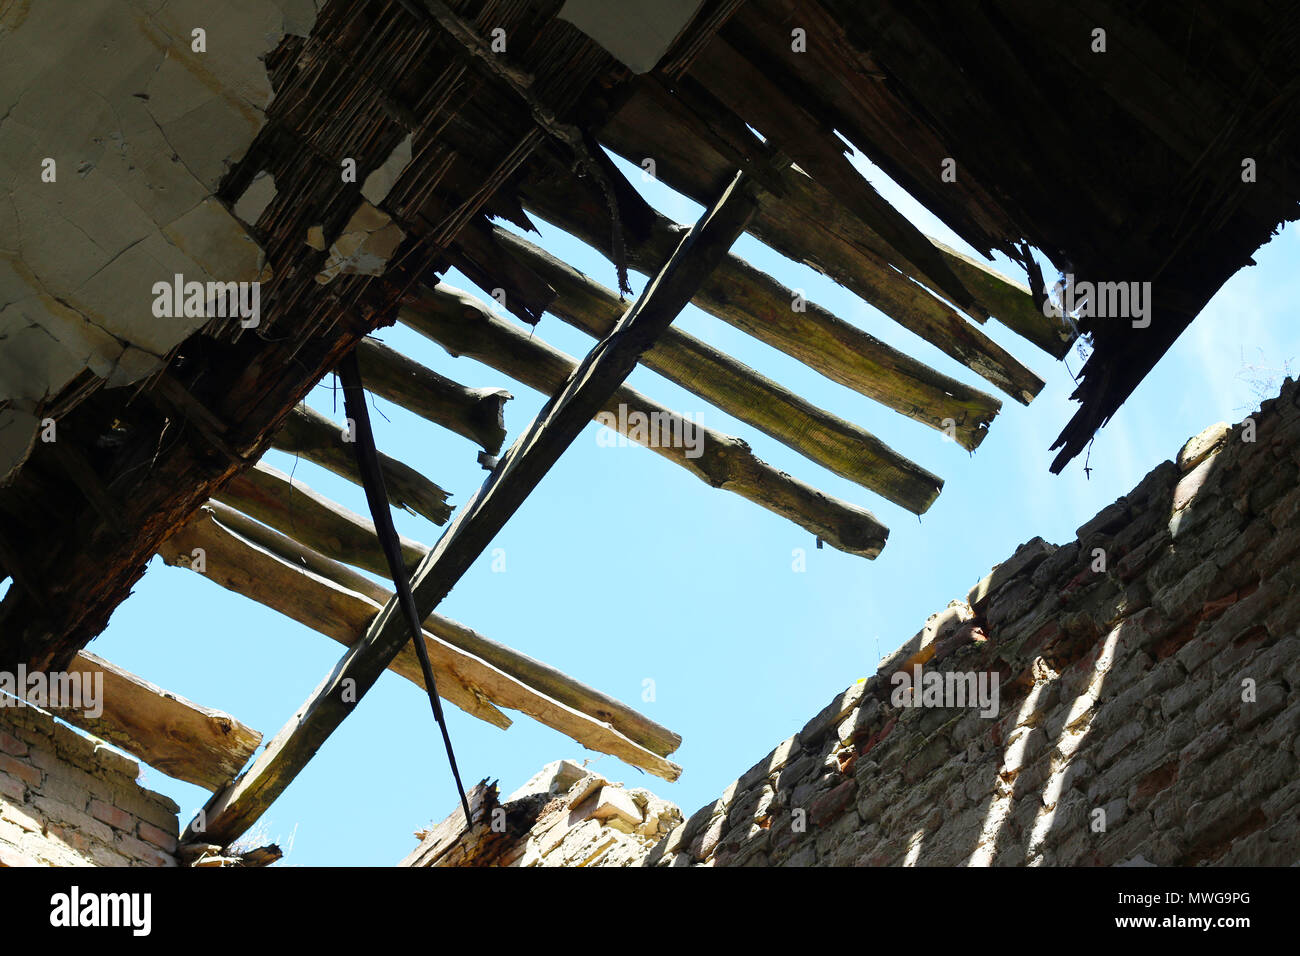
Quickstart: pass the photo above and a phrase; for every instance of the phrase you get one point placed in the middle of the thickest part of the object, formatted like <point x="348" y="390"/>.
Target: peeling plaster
<point x="142" y="130"/>
<point x="364" y="247"/>
<point x="259" y="194"/>
<point x="381" y="181"/>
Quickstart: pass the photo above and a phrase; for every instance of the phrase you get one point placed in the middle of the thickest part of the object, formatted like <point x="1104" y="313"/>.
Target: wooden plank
<point x="476" y="413"/>
<point x="272" y="497"/>
<point x="753" y="95"/>
<point x="809" y="224"/>
<point x="173" y="735"/>
<point x="465" y="326"/>
<point x="312" y="600"/>
<point x="1012" y="304"/>
<point x="754" y="302"/>
<point x="746" y="394"/>
<point x="535" y="674"/>
<point x="231" y="812"/>
<point x="308" y="433"/>
<point x="463" y="679"/>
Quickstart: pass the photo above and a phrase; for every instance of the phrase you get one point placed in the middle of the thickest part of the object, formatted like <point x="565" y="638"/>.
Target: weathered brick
<point x="162" y="839"/>
<point x="12" y="788"/>
<point x="21" y="769"/>
<point x="114" y="816"/>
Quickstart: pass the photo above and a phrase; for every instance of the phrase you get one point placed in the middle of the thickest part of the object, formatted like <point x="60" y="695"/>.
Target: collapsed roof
<point x="344" y="158"/>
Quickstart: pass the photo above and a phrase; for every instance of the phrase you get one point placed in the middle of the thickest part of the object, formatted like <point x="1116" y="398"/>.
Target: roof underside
<point x="1002" y="118"/>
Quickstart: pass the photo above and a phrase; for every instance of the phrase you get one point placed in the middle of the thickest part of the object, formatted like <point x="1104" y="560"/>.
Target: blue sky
<point x="623" y="567"/>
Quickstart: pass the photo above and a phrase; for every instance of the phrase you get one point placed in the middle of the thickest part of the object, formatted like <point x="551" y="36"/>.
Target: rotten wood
<point x="534" y="673"/>
<point x="288" y="504"/>
<point x="308" y="433"/>
<point x="827" y="439"/>
<point x="175" y="736"/>
<point x="757" y="304"/>
<point x="529" y="459"/>
<point x="465" y="326"/>
<point x="476" y="413"/>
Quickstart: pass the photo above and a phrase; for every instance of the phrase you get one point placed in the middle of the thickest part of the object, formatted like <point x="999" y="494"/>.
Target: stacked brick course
<point x="1149" y="698"/>
<point x="66" y="802"/>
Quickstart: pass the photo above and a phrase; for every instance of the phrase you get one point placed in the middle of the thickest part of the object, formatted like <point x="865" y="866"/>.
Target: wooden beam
<point x="754" y="302"/>
<point x="272" y="497"/>
<point x="312" y="600"/>
<point x="182" y="739"/>
<point x="752" y="95"/>
<point x="476" y="413"/>
<point x="308" y="433"/>
<point x="745" y="394"/>
<point x="535" y="674"/>
<point x="231" y="812"/>
<point x="809" y="224"/>
<point x="465" y="326"/>
<point x="463" y="678"/>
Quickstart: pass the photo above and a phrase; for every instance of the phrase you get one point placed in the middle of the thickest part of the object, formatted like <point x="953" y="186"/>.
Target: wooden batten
<point x="313" y="601"/>
<point x="535" y="674"/>
<point x="175" y="736"/>
<point x="532" y="455"/>
<point x="808" y="224"/>
<point x="476" y="413"/>
<point x="465" y="326"/>
<point x="754" y="302"/>
<point x="744" y="393"/>
<point x="308" y="433"/>
<point x="285" y="503"/>
<point x="750" y="93"/>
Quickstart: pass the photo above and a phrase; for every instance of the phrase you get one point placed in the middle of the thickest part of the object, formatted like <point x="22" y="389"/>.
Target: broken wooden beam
<point x="464" y="679"/>
<point x="898" y="381"/>
<point x="532" y="455"/>
<point x="175" y="736"/>
<point x="808" y="224"/>
<point x="286" y="503"/>
<point x="308" y="433"/>
<point x="753" y="95"/>
<point x="465" y="326"/>
<point x="476" y="413"/>
<point x="310" y="599"/>
<point x="754" y="302"/>
<point x="534" y="673"/>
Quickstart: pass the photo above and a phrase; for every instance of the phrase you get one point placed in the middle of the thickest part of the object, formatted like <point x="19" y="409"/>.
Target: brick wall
<point x="1149" y="676"/>
<point x="1148" y="707"/>
<point x="565" y="816"/>
<point x="65" y="802"/>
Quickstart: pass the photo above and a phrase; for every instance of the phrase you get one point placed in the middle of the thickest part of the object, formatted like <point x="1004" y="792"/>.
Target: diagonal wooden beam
<point x="534" y="674"/>
<point x="230" y="813"/>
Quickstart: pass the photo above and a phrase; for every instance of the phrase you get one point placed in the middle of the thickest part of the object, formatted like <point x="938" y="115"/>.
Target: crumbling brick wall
<point x="1149" y="677"/>
<point x="565" y="816"/>
<point x="66" y="802"/>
